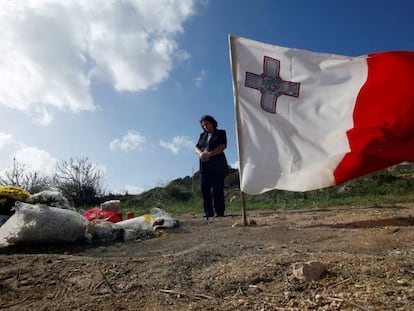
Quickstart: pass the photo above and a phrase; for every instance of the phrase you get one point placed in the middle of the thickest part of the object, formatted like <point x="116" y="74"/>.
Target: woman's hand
<point x="204" y="156"/>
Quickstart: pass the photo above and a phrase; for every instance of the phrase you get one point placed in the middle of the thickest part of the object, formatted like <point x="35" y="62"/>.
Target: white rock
<point x="308" y="271"/>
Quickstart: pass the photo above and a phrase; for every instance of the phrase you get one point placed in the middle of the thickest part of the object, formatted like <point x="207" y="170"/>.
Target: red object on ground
<point x="97" y="213"/>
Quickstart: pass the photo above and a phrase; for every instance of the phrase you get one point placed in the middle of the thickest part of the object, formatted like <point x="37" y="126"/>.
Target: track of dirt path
<point x="223" y="265"/>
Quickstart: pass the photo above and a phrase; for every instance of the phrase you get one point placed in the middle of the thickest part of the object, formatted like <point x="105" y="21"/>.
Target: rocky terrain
<point x="367" y="255"/>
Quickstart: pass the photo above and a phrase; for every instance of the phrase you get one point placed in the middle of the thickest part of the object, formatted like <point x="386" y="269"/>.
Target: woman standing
<point x="213" y="166"/>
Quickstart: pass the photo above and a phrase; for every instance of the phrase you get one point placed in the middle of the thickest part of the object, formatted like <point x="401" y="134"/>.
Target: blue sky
<point x="124" y="83"/>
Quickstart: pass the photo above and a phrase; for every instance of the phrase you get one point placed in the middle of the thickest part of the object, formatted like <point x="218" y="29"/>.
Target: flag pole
<point x="233" y="63"/>
<point x="243" y="200"/>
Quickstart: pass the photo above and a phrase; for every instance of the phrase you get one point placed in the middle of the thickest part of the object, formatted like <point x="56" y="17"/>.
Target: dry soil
<point x="224" y="265"/>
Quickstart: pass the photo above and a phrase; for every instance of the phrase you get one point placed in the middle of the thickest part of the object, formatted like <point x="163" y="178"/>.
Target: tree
<point x="13" y="176"/>
<point x="34" y="182"/>
<point x="20" y="176"/>
<point x="79" y="180"/>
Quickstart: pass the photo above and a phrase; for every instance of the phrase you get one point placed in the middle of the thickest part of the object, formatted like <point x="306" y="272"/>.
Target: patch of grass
<point x="182" y="196"/>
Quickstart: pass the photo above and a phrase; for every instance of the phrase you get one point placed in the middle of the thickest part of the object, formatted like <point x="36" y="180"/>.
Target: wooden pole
<point x="243" y="199"/>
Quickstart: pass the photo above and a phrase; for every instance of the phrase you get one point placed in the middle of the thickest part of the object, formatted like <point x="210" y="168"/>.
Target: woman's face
<point x="207" y="126"/>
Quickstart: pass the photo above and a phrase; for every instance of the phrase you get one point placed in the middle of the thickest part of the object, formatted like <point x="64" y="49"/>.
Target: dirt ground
<point x="368" y="253"/>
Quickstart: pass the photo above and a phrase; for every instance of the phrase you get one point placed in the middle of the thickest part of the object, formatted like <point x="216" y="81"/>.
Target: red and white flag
<point x="309" y="120"/>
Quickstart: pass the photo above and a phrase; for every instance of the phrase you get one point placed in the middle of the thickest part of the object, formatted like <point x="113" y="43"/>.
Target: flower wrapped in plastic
<point x="9" y="195"/>
<point x="50" y="198"/>
<point x="40" y="224"/>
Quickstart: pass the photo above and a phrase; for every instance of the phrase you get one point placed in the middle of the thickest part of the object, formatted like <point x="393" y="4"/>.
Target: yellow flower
<point x="12" y="193"/>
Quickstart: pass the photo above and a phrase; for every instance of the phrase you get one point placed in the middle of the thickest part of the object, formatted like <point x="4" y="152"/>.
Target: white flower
<point x="50" y="198"/>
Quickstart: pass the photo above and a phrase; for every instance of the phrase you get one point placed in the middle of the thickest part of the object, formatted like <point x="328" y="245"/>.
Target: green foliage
<point x="387" y="186"/>
<point x="394" y="185"/>
<point x="232" y="179"/>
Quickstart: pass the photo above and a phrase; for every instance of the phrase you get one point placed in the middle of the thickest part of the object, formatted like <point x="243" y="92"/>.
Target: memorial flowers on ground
<point x="50" y="198"/>
<point x="8" y="197"/>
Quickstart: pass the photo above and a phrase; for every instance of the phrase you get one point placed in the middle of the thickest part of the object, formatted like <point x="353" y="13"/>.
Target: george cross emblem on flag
<point x="270" y="84"/>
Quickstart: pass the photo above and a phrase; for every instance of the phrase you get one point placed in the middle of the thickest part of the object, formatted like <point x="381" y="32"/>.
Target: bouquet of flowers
<point x="50" y="198"/>
<point x="9" y="195"/>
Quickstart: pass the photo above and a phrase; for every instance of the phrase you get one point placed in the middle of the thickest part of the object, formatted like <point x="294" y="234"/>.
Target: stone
<point x="308" y="271"/>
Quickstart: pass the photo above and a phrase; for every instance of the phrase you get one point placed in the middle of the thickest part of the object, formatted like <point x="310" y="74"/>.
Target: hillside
<point x="395" y="184"/>
<point x="366" y="253"/>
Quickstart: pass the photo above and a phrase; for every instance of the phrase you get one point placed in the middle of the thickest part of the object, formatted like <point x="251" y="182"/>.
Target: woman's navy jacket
<point x="217" y="163"/>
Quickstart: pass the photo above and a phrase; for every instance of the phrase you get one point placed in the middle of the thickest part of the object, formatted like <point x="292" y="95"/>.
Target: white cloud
<point x="36" y="160"/>
<point x="200" y="78"/>
<point x="132" y="140"/>
<point x="5" y="139"/>
<point x="52" y="50"/>
<point x="133" y="189"/>
<point x="177" y="143"/>
<point x="31" y="157"/>
<point x="42" y="116"/>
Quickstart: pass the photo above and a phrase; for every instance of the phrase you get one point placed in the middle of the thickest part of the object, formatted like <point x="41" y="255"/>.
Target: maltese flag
<point x="309" y="120"/>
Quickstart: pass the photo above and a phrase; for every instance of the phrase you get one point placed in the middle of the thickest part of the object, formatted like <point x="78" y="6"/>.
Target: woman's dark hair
<point x="209" y="119"/>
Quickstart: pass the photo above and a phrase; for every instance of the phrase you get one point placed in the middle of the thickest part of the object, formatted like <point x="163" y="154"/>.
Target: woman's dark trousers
<point x="213" y="202"/>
